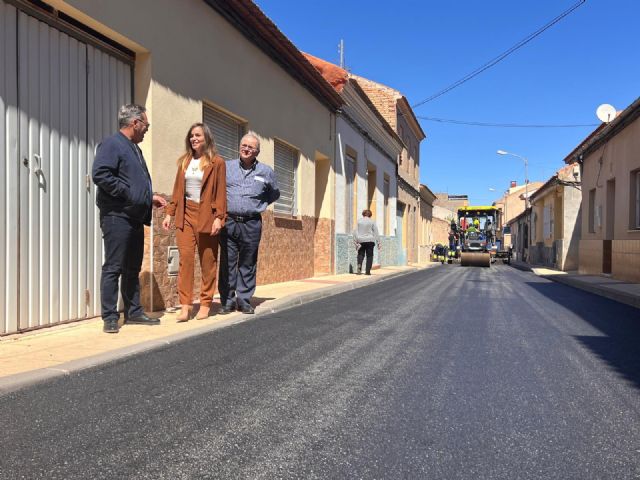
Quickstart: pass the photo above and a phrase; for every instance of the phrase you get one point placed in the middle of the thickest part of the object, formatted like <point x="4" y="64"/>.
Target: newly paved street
<point x="445" y="373"/>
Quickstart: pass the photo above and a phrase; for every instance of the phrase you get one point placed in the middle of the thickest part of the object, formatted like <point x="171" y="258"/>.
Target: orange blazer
<point x="213" y="196"/>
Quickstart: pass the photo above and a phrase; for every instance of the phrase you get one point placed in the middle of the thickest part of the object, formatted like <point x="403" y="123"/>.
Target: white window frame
<point x="227" y="131"/>
<point x="350" y="169"/>
<point x="285" y="163"/>
<point x="386" y="192"/>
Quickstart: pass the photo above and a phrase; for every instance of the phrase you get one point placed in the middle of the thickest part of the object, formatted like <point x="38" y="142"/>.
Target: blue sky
<point x="590" y="57"/>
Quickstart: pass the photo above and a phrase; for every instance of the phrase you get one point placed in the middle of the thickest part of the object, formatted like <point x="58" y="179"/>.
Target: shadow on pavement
<point x="619" y="346"/>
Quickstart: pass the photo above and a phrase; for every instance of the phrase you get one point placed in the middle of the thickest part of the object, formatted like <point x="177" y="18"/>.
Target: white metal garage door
<point x="58" y="98"/>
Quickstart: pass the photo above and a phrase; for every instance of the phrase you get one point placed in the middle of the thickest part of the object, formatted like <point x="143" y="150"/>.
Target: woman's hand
<point x="166" y="223"/>
<point x="217" y="226"/>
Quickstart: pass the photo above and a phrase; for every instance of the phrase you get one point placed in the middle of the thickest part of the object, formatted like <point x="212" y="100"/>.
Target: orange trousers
<point x="188" y="240"/>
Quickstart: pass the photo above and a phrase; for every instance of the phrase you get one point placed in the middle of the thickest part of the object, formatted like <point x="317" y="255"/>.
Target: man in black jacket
<point x="125" y="198"/>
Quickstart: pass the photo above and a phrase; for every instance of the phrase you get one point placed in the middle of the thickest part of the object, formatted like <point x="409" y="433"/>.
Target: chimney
<point x="513" y="184"/>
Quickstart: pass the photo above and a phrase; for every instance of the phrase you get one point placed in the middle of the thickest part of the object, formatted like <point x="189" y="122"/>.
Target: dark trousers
<point x="239" y="242"/>
<point x="365" y="248"/>
<point x="123" y="250"/>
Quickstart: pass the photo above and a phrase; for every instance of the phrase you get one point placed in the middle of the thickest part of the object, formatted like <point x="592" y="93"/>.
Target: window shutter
<point x="285" y="162"/>
<point x="226" y="130"/>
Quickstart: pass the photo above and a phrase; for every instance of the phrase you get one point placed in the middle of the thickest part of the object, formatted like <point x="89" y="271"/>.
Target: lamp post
<point x="526" y="175"/>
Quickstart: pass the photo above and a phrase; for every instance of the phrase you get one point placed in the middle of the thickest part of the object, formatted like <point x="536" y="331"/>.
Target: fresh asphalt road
<point x="445" y="373"/>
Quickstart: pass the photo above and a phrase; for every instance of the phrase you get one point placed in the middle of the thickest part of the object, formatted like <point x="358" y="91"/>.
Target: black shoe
<point x="248" y="309"/>
<point x="227" y="309"/>
<point x="142" y="320"/>
<point x="367" y="273"/>
<point x="111" y="326"/>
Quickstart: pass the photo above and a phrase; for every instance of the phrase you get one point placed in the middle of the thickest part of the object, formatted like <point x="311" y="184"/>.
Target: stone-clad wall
<point x="347" y="256"/>
<point x="286" y="249"/>
<point x="286" y="253"/>
<point x="323" y="246"/>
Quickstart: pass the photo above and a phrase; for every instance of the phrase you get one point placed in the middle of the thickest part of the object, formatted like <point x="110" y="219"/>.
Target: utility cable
<point x="505" y="125"/>
<point x="500" y="57"/>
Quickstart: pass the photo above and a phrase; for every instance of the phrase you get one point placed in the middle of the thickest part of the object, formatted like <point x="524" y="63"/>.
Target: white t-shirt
<point x="193" y="180"/>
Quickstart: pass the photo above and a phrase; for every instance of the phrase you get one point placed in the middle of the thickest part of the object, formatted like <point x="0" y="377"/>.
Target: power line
<point x="500" y="57"/>
<point x="504" y="125"/>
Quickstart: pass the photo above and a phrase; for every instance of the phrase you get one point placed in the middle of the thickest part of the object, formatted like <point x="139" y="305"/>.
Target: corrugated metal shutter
<point x="109" y="86"/>
<point x="52" y="246"/>
<point x="285" y="163"/>
<point x="9" y="170"/>
<point x="227" y="132"/>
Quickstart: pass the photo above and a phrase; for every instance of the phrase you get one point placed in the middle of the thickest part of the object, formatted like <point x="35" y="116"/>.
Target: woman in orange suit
<point x="199" y="205"/>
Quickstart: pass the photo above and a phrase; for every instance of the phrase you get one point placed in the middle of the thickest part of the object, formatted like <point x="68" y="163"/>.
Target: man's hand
<point x="159" y="202"/>
<point x="217" y="226"/>
<point x="166" y="223"/>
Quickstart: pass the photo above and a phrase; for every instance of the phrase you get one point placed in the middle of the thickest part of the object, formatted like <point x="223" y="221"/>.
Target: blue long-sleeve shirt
<point x="250" y="191"/>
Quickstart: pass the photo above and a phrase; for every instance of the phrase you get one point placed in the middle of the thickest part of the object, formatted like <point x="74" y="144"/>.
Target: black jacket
<point x="124" y="183"/>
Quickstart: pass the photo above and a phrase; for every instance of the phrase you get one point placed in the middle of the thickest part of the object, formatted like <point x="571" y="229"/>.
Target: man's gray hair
<point x="253" y="135"/>
<point x="128" y="113"/>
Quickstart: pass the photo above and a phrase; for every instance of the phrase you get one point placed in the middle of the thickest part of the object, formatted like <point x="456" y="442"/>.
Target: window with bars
<point x="349" y="191"/>
<point x="226" y="130"/>
<point x="285" y="166"/>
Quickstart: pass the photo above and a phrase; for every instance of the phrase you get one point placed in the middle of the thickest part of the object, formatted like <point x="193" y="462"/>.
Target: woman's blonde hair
<point x="209" y="153"/>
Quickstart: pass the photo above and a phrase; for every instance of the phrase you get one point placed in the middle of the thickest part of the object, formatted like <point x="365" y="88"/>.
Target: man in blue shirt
<point x="251" y="187"/>
<point x="125" y="198"/>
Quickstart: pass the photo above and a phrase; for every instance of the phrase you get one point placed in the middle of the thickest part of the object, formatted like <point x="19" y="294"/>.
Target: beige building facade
<point x="555" y="221"/>
<point x="610" y="227"/>
<point x="223" y="63"/>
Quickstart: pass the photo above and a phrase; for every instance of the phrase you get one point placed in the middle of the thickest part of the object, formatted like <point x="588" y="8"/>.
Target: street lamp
<point x="526" y="175"/>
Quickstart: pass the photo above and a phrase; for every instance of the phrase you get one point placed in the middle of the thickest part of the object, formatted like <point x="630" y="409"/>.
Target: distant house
<point x="512" y="204"/>
<point x="555" y="228"/>
<point x="432" y="230"/>
<point x="610" y="226"/>
<point x="366" y="153"/>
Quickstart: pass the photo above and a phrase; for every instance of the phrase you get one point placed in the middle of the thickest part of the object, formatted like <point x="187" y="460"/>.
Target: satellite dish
<point x="606" y="113"/>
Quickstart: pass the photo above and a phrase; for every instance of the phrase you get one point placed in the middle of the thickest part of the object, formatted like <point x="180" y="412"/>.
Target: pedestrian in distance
<point x="199" y="206"/>
<point x="125" y="199"/>
<point x="251" y="187"/>
<point x="365" y="236"/>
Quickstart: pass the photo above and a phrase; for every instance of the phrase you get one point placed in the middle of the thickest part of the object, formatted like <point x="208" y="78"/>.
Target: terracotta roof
<point x="249" y="20"/>
<point x="336" y="76"/>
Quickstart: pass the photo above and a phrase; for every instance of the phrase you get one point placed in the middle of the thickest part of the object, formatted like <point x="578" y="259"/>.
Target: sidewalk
<point x="618" y="290"/>
<point x="51" y="352"/>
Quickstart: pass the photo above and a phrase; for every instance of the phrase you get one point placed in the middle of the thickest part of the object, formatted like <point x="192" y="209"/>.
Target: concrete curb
<point x="616" y="295"/>
<point x="13" y="383"/>
<point x="295" y="300"/>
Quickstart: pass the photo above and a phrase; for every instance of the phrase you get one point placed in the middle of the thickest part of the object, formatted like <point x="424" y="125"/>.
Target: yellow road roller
<point x="481" y="238"/>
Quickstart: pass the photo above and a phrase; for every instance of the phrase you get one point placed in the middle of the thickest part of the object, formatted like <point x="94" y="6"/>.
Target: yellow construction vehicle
<point x="481" y="238"/>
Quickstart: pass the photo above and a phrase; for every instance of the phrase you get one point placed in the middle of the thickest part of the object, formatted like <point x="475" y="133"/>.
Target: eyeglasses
<point x="146" y="124"/>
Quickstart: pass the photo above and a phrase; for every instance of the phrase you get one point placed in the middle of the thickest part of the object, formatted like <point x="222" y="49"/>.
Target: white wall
<point x="348" y="136"/>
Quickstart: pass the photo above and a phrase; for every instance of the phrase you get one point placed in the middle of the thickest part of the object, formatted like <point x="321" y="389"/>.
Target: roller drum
<point x="475" y="259"/>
